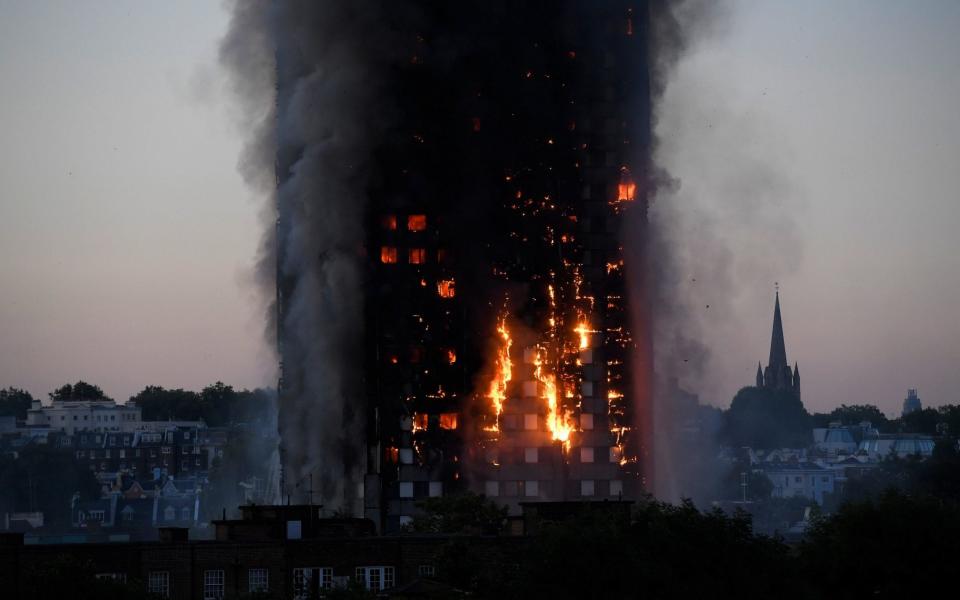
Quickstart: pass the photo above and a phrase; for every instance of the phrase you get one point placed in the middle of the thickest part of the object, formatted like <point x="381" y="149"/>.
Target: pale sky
<point x="127" y="236"/>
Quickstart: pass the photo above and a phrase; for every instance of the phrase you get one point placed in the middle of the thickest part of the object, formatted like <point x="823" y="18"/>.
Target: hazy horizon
<point x="127" y="237"/>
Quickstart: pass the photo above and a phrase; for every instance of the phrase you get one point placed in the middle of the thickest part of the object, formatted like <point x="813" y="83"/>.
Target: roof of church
<point x="778" y="349"/>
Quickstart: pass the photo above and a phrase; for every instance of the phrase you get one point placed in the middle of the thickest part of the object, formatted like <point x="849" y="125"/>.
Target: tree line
<point x="764" y="419"/>
<point x="217" y="404"/>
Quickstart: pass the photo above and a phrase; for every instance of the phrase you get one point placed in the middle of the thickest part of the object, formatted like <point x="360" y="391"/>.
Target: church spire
<point x="759" y="375"/>
<point x="778" y="349"/>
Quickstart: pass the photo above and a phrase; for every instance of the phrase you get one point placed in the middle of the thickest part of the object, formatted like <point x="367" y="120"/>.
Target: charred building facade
<point x="502" y="260"/>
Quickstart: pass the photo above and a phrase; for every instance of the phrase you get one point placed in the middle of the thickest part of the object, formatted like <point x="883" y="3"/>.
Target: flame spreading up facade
<point x="505" y="347"/>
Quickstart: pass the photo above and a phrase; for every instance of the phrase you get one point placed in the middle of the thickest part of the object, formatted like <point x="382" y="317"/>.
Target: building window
<point x="406" y="489"/>
<point x="616" y="488"/>
<point x="417" y="222"/>
<point x="587" y="487"/>
<point x="436" y="489"/>
<point x="308" y="581"/>
<point x="616" y="453"/>
<point x="158" y="584"/>
<point x="95" y="515"/>
<point x="446" y="288"/>
<point x="169" y="513"/>
<point x="530" y="422"/>
<point x="427" y="571"/>
<point x="213" y="584"/>
<point x="421" y="421"/>
<point x="530" y="389"/>
<point x="388" y="255"/>
<point x="294" y="530"/>
<point x="492" y="489"/>
<point x="531" y="489"/>
<point x="448" y="420"/>
<point x="586" y="455"/>
<point x="531" y="455"/>
<point x="257" y="580"/>
<point x="586" y="421"/>
<point x="376" y="578"/>
<point x="184" y="514"/>
<point x="417" y="256"/>
<point x="389" y="222"/>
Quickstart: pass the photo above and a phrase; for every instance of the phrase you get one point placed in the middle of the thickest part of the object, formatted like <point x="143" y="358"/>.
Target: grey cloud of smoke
<point x="309" y="77"/>
<point x="720" y="223"/>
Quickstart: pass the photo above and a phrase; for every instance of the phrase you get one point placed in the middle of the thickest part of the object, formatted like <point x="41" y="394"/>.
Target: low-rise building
<point x="805" y="479"/>
<point x="900" y="445"/>
<point x="72" y="416"/>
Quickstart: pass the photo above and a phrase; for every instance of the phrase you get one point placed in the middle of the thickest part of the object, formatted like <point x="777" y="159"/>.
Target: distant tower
<point x="778" y="375"/>
<point x="911" y="403"/>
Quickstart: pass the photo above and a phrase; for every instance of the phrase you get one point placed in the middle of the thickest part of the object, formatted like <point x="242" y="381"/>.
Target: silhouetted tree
<point x="460" y="513"/>
<point x="764" y="418"/>
<point x="15" y="402"/>
<point x="80" y="390"/>
<point x="921" y="421"/>
<point x="159" y="404"/>
<point x="895" y="546"/>
<point x="854" y="415"/>
<point x="663" y="551"/>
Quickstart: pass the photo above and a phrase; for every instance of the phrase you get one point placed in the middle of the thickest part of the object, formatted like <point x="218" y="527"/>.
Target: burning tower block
<point x="505" y="334"/>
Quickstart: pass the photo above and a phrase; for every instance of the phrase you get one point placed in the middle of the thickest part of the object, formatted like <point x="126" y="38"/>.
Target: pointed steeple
<point x="778" y="349"/>
<point x="759" y="375"/>
<point x="796" y="377"/>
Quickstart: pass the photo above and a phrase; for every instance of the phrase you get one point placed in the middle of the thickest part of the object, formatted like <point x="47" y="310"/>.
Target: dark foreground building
<point x="284" y="552"/>
<point x="505" y="339"/>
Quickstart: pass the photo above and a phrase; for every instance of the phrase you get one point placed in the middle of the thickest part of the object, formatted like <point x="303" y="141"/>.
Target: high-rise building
<point x="505" y="345"/>
<point x="911" y="403"/>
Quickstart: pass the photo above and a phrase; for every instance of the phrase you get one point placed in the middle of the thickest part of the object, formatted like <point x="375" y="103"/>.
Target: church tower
<point x="778" y="375"/>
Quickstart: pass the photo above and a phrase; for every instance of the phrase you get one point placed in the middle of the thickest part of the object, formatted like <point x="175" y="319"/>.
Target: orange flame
<point x="627" y="188"/>
<point x="502" y="375"/>
<point x="558" y="424"/>
<point x="583" y="331"/>
<point x="446" y="288"/>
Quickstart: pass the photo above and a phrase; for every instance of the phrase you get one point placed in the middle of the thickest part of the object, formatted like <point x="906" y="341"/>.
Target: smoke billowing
<point x="309" y="76"/>
<point x="316" y="80"/>
<point x="721" y="231"/>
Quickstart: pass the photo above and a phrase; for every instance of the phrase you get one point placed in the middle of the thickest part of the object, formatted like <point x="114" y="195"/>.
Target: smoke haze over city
<point x="128" y="239"/>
